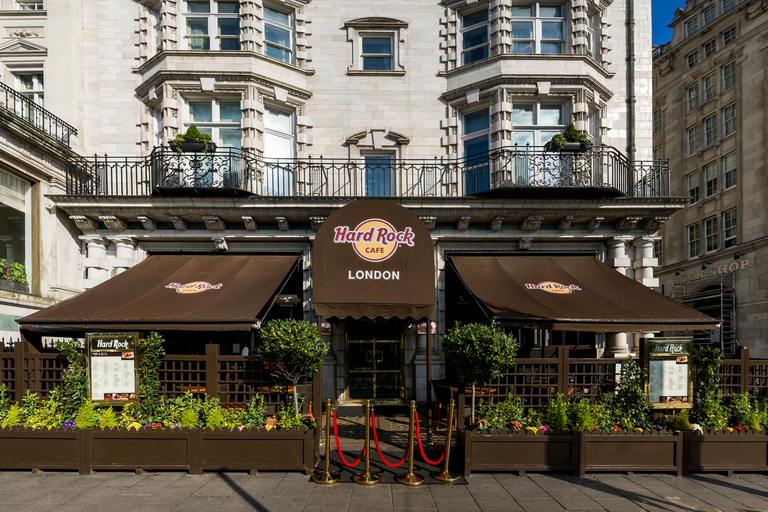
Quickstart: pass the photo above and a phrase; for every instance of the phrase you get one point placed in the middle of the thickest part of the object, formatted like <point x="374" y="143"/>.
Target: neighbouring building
<point x="439" y="110"/>
<point x="709" y="122"/>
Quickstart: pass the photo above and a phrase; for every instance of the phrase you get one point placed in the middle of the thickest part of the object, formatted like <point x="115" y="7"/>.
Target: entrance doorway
<point x="375" y="361"/>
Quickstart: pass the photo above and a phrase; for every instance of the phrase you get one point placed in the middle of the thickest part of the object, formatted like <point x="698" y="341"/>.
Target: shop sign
<point x="712" y="271"/>
<point x="553" y="287"/>
<point x="112" y="367"/>
<point x="667" y="361"/>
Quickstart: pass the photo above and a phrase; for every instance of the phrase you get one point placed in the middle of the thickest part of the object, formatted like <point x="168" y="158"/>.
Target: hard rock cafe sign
<point x="193" y="287"/>
<point x="374" y="239"/>
<point x="553" y="287"/>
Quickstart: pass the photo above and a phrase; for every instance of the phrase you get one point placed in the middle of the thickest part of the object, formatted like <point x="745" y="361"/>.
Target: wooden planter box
<point x="194" y="451"/>
<point x="660" y="452"/>
<point x="726" y="452"/>
<point x="518" y="451"/>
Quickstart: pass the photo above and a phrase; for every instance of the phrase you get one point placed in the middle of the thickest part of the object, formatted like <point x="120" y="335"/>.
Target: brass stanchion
<point x="326" y="477"/>
<point x="446" y="476"/>
<point x="410" y="478"/>
<point x="367" y="478"/>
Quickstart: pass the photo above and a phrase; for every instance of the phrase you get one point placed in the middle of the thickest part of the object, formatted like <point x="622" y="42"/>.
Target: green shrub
<point x="746" y="413"/>
<point x="632" y="407"/>
<point x="679" y="422"/>
<point x="87" y="417"/>
<point x="580" y="416"/>
<point x="604" y="413"/>
<point x="75" y="377"/>
<point x="152" y="352"/>
<point x="5" y="401"/>
<point x="708" y="409"/>
<point x="107" y="418"/>
<point x="215" y="419"/>
<point x="49" y="413"/>
<point x="557" y="414"/>
<point x="13" y="417"/>
<point x="188" y="419"/>
<point x="501" y="414"/>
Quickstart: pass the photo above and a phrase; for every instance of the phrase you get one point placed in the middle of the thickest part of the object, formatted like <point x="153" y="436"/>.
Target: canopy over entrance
<point x="571" y="293"/>
<point x="173" y="292"/>
<point x="374" y="258"/>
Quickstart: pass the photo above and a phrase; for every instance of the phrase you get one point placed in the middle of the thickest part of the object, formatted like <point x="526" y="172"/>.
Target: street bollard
<point x="326" y="477"/>
<point x="446" y="476"/>
<point x="367" y="478"/>
<point x="410" y="478"/>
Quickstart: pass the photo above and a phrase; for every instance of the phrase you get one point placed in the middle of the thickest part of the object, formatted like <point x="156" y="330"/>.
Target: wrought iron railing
<point x="33" y="114"/>
<point x="165" y="171"/>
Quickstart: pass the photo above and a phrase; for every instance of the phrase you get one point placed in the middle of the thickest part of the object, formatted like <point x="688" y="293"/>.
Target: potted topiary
<point x="569" y="140"/>
<point x="193" y="141"/>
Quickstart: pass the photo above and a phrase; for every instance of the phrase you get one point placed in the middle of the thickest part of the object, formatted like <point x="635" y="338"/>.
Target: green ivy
<point x="708" y="410"/>
<point x="151" y="353"/>
<point x="75" y="377"/>
<point x="5" y="401"/>
<point x="633" y="401"/>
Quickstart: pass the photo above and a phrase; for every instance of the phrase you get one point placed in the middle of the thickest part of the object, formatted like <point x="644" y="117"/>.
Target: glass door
<point x="375" y="370"/>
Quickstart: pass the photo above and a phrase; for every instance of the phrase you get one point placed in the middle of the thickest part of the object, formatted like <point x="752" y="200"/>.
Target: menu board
<point x="668" y="363"/>
<point x="112" y="366"/>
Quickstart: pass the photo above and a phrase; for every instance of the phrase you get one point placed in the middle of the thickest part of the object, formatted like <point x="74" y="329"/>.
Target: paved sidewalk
<point x="289" y="492"/>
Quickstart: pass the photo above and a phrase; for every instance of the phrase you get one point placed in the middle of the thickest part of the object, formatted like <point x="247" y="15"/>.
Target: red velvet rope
<point x="338" y="447"/>
<point x="376" y="439"/>
<point x="421" y="448"/>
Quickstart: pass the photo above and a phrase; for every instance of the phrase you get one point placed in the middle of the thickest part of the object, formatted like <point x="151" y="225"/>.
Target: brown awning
<point x="571" y="293"/>
<point x="373" y="258"/>
<point x="173" y="292"/>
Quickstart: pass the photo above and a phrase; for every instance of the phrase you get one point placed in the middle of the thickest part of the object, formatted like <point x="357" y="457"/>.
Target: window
<point x="692" y="137"/>
<point x="278" y="34"/>
<point x="16" y="221"/>
<point x="710" y="130"/>
<point x="729" y="36"/>
<point x="591" y="38"/>
<point x="710" y="179"/>
<point x="709" y="48"/>
<point x="694" y="249"/>
<point x="474" y="36"/>
<point x="657" y="120"/>
<point x="729" y="75"/>
<point x="157" y="28"/>
<point x="710" y="87"/>
<point x="213" y="24"/>
<point x="693" y="187"/>
<point x="658" y="249"/>
<point x="218" y="118"/>
<point x="691" y="26"/>
<point x="708" y="15"/>
<point x="657" y="155"/>
<point x="710" y="234"/>
<point x="538" y="28"/>
<point x="729" y="170"/>
<point x="379" y="174"/>
<point x="477" y="125"/>
<point x="376" y="52"/>
<point x="729" y="119"/>
<point x="729" y="228"/>
<point x="727" y="5"/>
<point x="536" y="123"/>
<point x="279" y="144"/>
<point x="29" y="83"/>
<point x="29" y="6"/>
<point x="692" y="97"/>
<point x="692" y="59"/>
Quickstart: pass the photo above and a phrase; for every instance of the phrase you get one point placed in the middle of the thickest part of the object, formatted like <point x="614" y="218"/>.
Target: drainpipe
<point x="631" y="99"/>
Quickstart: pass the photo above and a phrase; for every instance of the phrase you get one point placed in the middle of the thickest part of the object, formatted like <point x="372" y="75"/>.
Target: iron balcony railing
<point x="165" y="171"/>
<point x="23" y="108"/>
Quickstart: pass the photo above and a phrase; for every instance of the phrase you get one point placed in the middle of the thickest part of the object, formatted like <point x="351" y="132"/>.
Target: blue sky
<point x="662" y="16"/>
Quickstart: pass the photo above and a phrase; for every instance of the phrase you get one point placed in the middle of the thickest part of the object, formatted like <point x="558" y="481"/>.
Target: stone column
<point x="616" y="342"/>
<point x="645" y="262"/>
<point x="95" y="262"/>
<point x="124" y="254"/>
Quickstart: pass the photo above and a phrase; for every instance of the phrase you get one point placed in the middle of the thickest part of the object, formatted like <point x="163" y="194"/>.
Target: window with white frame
<point x="16" y="221"/>
<point x="30" y="84"/>
<point x="708" y="16"/>
<point x="212" y="24"/>
<point x="730" y="228"/>
<point x="692" y="181"/>
<point x="692" y="140"/>
<point x="694" y="241"/>
<point x="729" y="36"/>
<point x="729" y="170"/>
<point x="709" y="48"/>
<point x="376" y="52"/>
<point x="729" y="75"/>
<point x="219" y="118"/>
<point x="709" y="84"/>
<point x="279" y="150"/>
<point x="591" y="37"/>
<point x="538" y="28"/>
<point x="535" y="123"/>
<point x="710" y="130"/>
<point x="692" y="59"/>
<point x="474" y="36"/>
<point x="278" y="34"/>
<point x="710" y="234"/>
<point x="29" y="6"/>
<point x="727" y="5"/>
<point x="157" y="29"/>
<point x="476" y="131"/>
<point x="157" y="126"/>
<point x="691" y="26"/>
<point x="710" y="179"/>
<point x="692" y="97"/>
<point x="729" y="119"/>
<point x="656" y="120"/>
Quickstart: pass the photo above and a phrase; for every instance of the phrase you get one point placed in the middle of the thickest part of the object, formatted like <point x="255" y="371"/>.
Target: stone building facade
<point x="441" y="107"/>
<point x="709" y="121"/>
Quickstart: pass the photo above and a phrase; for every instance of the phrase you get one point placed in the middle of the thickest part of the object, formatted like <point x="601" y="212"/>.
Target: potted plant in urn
<point x="569" y="140"/>
<point x="193" y="141"/>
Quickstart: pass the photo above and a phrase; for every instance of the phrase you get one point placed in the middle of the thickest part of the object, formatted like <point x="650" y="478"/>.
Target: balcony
<point x="507" y="172"/>
<point x="32" y="114"/>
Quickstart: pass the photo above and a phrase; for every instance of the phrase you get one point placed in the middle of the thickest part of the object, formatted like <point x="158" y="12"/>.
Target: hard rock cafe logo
<point x="553" y="287"/>
<point x="373" y="239"/>
<point x="193" y="287"/>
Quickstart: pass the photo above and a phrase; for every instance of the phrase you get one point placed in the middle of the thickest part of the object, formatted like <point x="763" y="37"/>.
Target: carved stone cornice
<point x="148" y="223"/>
<point x="594" y="223"/>
<point x="113" y="222"/>
<point x="496" y="223"/>
<point x="627" y="223"/>
<point x="565" y="224"/>
<point x="220" y="243"/>
<point x="178" y="223"/>
<point x="429" y="222"/>
<point x="317" y="222"/>
<point x="524" y="244"/>
<point x="214" y="223"/>
<point x="654" y="224"/>
<point x="84" y="223"/>
<point x="531" y="223"/>
<point x="463" y="223"/>
<point x="250" y="223"/>
<point x="282" y="223"/>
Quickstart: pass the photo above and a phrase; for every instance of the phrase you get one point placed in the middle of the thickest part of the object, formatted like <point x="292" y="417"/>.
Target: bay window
<point x="212" y="24"/>
<point x="474" y="36"/>
<point x="538" y="28"/>
<point x="219" y="118"/>
<point x="278" y="34"/>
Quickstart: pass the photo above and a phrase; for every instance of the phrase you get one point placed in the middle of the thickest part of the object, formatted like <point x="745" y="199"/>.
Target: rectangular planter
<point x="726" y="452"/>
<point x="22" y="448"/>
<point x="123" y="449"/>
<point x="518" y="451"/>
<point x="659" y="452"/>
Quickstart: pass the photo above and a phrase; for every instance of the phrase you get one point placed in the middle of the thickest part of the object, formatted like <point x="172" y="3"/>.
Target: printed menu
<point x="112" y="365"/>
